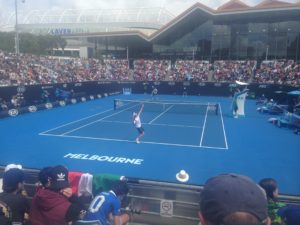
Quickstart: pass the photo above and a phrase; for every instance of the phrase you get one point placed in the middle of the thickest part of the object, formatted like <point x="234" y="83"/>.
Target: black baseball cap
<point x="59" y="178"/>
<point x="12" y="178"/>
<point x="229" y="193"/>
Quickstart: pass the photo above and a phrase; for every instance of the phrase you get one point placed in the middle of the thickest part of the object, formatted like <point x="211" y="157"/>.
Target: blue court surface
<point x="180" y="133"/>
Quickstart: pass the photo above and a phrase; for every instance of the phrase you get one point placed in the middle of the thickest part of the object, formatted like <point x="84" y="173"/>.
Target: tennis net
<point x="169" y="107"/>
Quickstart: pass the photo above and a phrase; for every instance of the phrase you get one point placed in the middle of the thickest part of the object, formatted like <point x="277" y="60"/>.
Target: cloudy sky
<point x="174" y="6"/>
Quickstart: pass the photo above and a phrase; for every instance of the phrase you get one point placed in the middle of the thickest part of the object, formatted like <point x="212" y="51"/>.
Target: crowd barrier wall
<point x="34" y="95"/>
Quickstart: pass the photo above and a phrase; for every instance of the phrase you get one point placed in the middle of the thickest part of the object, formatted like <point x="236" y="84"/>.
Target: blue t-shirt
<point x="102" y="205"/>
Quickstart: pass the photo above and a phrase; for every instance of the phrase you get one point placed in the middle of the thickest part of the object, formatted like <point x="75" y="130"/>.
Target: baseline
<point x="131" y="141"/>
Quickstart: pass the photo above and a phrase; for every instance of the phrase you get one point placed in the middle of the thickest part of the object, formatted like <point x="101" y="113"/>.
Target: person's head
<point x="231" y="199"/>
<point x="134" y="114"/>
<point x="44" y="176"/>
<point x="290" y="214"/>
<point x="59" y="178"/>
<point x="13" y="180"/>
<point x="120" y="188"/>
<point x="270" y="187"/>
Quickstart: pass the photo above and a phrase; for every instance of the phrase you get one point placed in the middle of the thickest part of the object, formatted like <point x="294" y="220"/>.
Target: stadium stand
<point x="278" y="72"/>
<point x="195" y="70"/>
<point x="32" y="69"/>
<point x="229" y="71"/>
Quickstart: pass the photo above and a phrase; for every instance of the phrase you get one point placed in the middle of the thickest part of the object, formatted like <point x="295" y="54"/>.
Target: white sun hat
<point x="182" y="176"/>
<point x="12" y="166"/>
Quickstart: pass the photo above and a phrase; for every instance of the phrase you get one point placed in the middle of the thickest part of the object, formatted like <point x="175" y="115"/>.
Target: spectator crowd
<point x="65" y="198"/>
<point x="32" y="69"/>
<point x="279" y="72"/>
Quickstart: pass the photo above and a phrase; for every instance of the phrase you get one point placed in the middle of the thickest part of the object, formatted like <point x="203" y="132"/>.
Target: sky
<point x="174" y="6"/>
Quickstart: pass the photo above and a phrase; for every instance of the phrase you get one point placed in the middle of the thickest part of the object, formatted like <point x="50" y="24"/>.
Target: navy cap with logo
<point x="229" y="193"/>
<point x="59" y="178"/>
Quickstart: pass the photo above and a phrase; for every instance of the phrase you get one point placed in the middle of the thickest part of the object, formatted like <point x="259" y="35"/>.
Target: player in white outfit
<point x="138" y="124"/>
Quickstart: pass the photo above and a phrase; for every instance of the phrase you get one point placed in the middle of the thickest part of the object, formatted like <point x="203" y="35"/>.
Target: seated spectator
<point x="12" y="196"/>
<point x="54" y="204"/>
<point x="106" y="206"/>
<point x="290" y="214"/>
<point x="15" y="101"/>
<point x="3" y="104"/>
<point x="271" y="189"/>
<point x="44" y="178"/>
<point x="232" y="199"/>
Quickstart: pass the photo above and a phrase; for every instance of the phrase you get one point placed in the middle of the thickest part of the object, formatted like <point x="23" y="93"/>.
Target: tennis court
<point x="180" y="133"/>
<point x="164" y="122"/>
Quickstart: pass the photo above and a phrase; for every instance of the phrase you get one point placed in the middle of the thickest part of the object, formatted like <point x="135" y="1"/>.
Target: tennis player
<point x="154" y="92"/>
<point x="138" y="124"/>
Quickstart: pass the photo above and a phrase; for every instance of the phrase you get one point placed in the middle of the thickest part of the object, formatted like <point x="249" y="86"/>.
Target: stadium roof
<point x="233" y="5"/>
<point x="90" y="20"/>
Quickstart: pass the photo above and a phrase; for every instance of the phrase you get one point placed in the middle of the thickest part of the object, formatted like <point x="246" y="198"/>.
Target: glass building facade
<point x="213" y="40"/>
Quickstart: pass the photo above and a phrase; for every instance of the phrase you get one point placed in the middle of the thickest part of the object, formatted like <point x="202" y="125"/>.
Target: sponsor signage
<point x="105" y="158"/>
<point x="32" y="108"/>
<point x="47" y="87"/>
<point x="21" y="89"/>
<point x="166" y="208"/>
<point x="262" y="86"/>
<point x="104" y="82"/>
<point x="49" y="105"/>
<point x="62" y="103"/>
<point x="13" y="112"/>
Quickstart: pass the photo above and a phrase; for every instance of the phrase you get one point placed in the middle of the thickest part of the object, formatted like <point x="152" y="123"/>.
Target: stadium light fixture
<point x="17" y="41"/>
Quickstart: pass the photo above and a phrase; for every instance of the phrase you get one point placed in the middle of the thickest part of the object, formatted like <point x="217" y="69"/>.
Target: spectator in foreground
<point x="54" y="204"/>
<point x="290" y="214"/>
<point x="106" y="206"/>
<point x="13" y="184"/>
<point x="232" y="199"/>
<point x="271" y="189"/>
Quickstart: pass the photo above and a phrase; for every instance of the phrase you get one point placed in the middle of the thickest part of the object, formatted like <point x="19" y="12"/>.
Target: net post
<point x="217" y="108"/>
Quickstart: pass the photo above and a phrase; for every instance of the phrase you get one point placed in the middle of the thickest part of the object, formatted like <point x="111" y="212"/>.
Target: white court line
<point x="226" y="144"/>
<point x="98" y="120"/>
<point x="161" y="114"/>
<point x="155" y="124"/>
<point x="76" y="121"/>
<point x="204" y="124"/>
<point x="130" y="141"/>
<point x="174" y="125"/>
